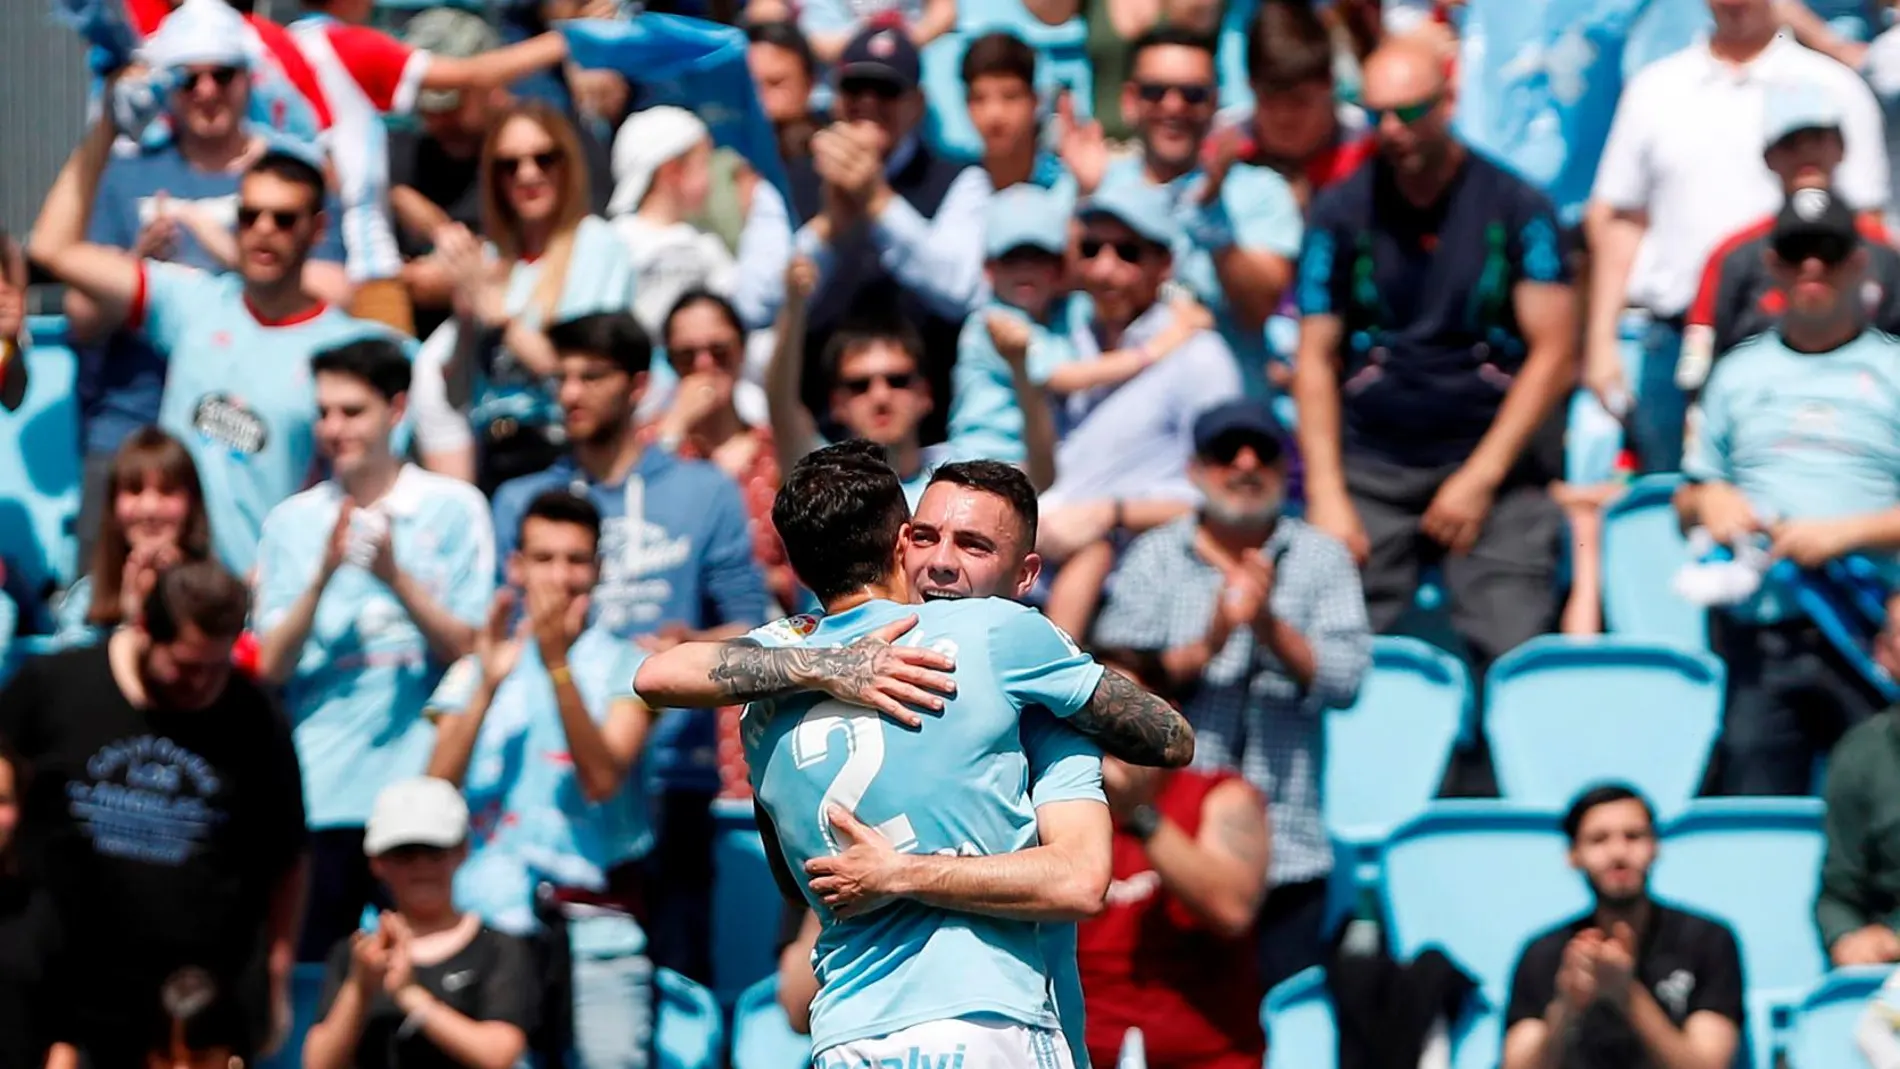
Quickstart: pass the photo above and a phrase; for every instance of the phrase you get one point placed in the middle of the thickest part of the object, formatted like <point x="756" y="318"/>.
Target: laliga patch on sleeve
<point x="791" y="628"/>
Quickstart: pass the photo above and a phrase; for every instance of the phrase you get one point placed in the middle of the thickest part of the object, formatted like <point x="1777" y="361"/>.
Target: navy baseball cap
<point x="1243" y="417"/>
<point x="882" y="54"/>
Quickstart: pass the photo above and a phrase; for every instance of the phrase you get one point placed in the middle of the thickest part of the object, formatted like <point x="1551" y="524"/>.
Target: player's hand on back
<point x="863" y="875"/>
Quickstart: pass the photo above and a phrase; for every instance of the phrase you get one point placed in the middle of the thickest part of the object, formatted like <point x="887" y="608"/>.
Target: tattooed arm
<point x="1134" y="725"/>
<point x="870" y="672"/>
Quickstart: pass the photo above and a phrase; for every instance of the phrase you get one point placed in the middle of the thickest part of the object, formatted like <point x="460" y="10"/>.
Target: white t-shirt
<point x="667" y="262"/>
<point x="1686" y="146"/>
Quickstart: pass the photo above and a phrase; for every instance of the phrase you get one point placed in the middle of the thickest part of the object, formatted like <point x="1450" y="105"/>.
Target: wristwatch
<point x="1143" y="822"/>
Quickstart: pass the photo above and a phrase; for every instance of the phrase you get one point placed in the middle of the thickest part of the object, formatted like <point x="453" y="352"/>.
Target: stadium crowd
<point x="438" y="381"/>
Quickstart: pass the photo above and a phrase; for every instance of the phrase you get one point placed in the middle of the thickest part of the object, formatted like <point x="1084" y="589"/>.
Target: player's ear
<point x="1027" y="573"/>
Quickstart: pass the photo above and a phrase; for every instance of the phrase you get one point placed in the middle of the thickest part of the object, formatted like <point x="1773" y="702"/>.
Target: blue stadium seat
<point x="1825" y="1019"/>
<point x="761" y="1036"/>
<point x="1564" y="712"/>
<point x="1477" y="879"/>
<point x="1643" y="548"/>
<point x="1385" y="756"/>
<point x="745" y="903"/>
<point x="39" y="464"/>
<point x="691" y="1033"/>
<point x="1755" y="863"/>
<point x="1298" y="1017"/>
<point x="306" y="990"/>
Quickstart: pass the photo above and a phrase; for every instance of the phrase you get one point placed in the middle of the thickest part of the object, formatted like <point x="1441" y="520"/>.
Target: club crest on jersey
<point x="225" y="420"/>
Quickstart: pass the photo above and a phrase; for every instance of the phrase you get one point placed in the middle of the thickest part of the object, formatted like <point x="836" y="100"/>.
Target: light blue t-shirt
<point x="1804" y="435"/>
<point x="958" y="785"/>
<point x="985" y="418"/>
<point x="1258" y="209"/>
<point x="238" y="393"/>
<point x="599" y="279"/>
<point x="529" y="823"/>
<point x="1064" y="766"/>
<point x="356" y="695"/>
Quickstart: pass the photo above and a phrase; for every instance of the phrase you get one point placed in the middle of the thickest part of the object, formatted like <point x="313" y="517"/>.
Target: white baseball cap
<point x="199" y="32"/>
<point x="423" y="811"/>
<point x="648" y="140"/>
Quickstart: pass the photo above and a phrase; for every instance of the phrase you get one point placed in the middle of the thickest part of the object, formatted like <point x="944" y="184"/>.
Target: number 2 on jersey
<point x="862" y="733"/>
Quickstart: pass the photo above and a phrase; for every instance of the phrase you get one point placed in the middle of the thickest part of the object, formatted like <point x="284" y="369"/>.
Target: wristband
<point x="560" y="674"/>
<point x="1143" y="822"/>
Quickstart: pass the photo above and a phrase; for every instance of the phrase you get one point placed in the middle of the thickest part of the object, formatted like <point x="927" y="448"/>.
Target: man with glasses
<point x="237" y="347"/>
<point x="1797" y="444"/>
<point x="174" y="201"/>
<point x="889" y="224"/>
<point x="1262" y="626"/>
<point x="1436" y="338"/>
<point x="1238" y="225"/>
<point x="1122" y="463"/>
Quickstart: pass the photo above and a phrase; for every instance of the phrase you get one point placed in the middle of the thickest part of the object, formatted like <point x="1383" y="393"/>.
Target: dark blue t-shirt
<point x="121" y="381"/>
<point x="1431" y="340"/>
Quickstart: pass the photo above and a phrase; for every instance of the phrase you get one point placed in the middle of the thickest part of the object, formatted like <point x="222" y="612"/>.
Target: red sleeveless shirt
<point x="1147" y="961"/>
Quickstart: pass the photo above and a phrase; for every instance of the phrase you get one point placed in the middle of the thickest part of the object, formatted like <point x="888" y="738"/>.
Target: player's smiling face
<point x="967" y="543"/>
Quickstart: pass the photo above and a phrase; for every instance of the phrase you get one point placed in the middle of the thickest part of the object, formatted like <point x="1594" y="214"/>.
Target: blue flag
<point x="102" y="25"/>
<point x="1541" y="81"/>
<point x="691" y="63"/>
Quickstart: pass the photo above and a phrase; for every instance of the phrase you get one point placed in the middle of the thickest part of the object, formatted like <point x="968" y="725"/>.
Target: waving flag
<point x="1541" y="80"/>
<point x="697" y="65"/>
<point x="103" y="25"/>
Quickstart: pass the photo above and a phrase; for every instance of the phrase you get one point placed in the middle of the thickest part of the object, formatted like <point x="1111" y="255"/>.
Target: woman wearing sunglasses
<point x="547" y="260"/>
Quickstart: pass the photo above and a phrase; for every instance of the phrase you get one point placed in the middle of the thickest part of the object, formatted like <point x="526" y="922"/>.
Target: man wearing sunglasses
<point x="1121" y="466"/>
<point x="891" y="226"/>
<point x="236" y="347"/>
<point x="1738" y="297"/>
<point x="1436" y="338"/>
<point x="174" y="201"/>
<point x="1797" y="443"/>
<point x="1261" y="622"/>
<point x="1239" y="225"/>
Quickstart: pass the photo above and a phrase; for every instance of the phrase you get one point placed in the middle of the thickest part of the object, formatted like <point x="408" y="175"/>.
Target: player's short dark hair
<point x="561" y="506"/>
<point x="1170" y="37"/>
<point x="1006" y="481"/>
<point x="616" y="337"/>
<point x="292" y="168"/>
<point x="202" y="594"/>
<point x="780" y="33"/>
<point x="193" y="1006"/>
<point x="1287" y="47"/>
<point x="839" y="512"/>
<point x="380" y="362"/>
<point x="999" y="54"/>
<point x="1603" y="794"/>
<point x="862" y="331"/>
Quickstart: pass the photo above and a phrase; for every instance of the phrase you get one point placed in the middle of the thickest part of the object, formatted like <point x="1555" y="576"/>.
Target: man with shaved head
<point x="1436" y="336"/>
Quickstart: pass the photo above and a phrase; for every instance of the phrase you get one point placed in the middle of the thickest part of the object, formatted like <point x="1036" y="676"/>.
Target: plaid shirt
<point x="1248" y="713"/>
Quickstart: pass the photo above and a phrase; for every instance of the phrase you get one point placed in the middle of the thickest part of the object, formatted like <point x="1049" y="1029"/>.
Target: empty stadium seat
<point x="1385" y="756"/>
<point x="39" y="464"/>
<point x="691" y="1032"/>
<point x="745" y="903"/>
<point x="1755" y="863"/>
<point x="1564" y="712"/>
<point x="1298" y="1017"/>
<point x="761" y="1036"/>
<point x="1643" y="548"/>
<point x="1477" y="879"/>
<point x="1822" y="1036"/>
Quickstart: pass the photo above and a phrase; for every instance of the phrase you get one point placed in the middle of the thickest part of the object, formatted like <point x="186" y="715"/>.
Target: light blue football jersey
<point x="958" y="785"/>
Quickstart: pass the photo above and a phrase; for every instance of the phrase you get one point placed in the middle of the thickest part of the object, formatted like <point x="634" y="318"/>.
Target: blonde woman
<point x="546" y="259"/>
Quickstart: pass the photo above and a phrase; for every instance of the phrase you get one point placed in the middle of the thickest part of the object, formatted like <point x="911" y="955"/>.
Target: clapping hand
<point x="1082" y="145"/>
<point x="498" y="647"/>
